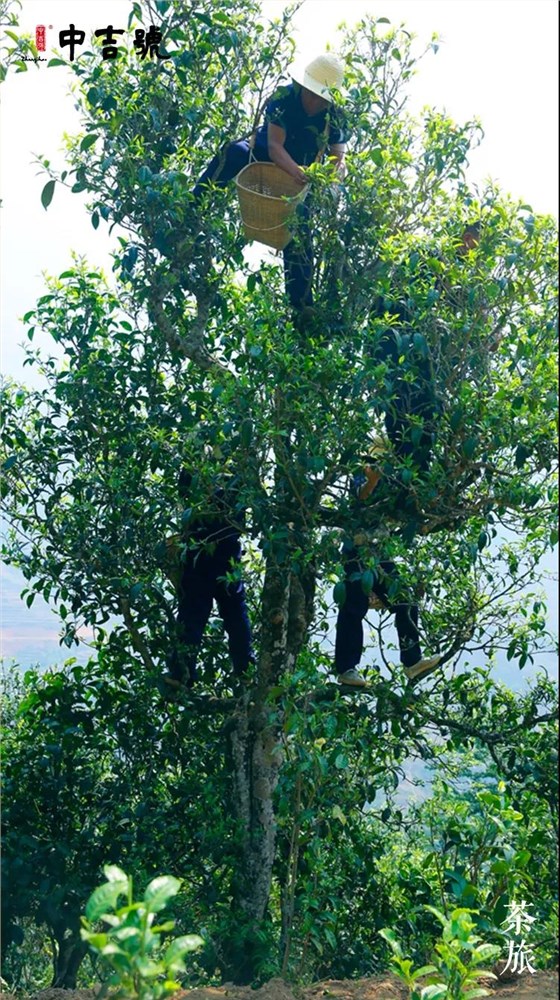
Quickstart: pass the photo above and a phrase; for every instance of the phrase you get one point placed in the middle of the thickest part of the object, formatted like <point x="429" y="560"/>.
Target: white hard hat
<point x="321" y="75"/>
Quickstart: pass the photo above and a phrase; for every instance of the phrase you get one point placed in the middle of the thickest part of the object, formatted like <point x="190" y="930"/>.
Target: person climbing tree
<point x="209" y="563"/>
<point x="410" y="416"/>
<point x="301" y="123"/>
<point x="387" y="593"/>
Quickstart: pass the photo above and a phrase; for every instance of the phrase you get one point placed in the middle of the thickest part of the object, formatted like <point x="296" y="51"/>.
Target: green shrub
<point x="454" y="972"/>
<point x="143" y="968"/>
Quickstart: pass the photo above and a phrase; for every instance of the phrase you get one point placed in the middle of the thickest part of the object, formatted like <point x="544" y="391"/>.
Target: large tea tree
<point x="190" y="358"/>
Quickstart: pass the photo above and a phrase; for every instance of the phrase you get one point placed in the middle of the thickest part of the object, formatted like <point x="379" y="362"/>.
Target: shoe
<point x="351" y="678"/>
<point x="422" y="667"/>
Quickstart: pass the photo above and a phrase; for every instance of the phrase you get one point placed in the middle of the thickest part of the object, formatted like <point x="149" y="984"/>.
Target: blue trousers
<point x="349" y="629"/>
<point x="202" y="583"/>
<point x="298" y="255"/>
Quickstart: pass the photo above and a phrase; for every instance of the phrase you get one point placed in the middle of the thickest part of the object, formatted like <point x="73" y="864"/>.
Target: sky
<point x="497" y="61"/>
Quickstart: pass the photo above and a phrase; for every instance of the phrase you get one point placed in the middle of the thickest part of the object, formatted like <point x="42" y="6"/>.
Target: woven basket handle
<point x="265" y="229"/>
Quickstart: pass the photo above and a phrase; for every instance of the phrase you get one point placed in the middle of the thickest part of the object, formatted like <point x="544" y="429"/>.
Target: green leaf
<point x="114" y="874"/>
<point x="339" y="593"/>
<point x="456" y="419"/>
<point x="420" y="344"/>
<point x="126" y="933"/>
<point x="47" y="194"/>
<point x="246" y="432"/>
<point x="424" y="970"/>
<point x="434" y="992"/>
<point x="500" y="867"/>
<point x="163" y="928"/>
<point x="406" y="476"/>
<point x="337" y="813"/>
<point x="96" y="941"/>
<point x="105" y="898"/>
<point x="112" y="949"/>
<point x="160" y="890"/>
<point x="173" y="958"/>
<point x="330" y="937"/>
<point x="148" y="969"/>
<point x="367" y="581"/>
<point x="390" y="937"/>
<point x="88" y="141"/>
<point x="435" y="265"/>
<point x="483" y="953"/>
<point x="437" y="913"/>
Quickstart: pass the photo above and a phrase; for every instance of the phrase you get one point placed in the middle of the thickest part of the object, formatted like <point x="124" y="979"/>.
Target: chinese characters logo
<point x="146" y="42"/>
<point x="518" y="923"/>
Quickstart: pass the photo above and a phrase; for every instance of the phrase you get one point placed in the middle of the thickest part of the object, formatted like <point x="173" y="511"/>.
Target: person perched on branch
<point x="208" y="561"/>
<point x="385" y="592"/>
<point x="301" y="123"/>
<point x="410" y="416"/>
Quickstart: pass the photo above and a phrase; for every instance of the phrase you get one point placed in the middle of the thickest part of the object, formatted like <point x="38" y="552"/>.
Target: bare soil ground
<point x="537" y="986"/>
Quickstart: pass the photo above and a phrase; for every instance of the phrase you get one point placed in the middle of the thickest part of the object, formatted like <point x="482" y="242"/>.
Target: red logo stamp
<point x="40" y="36"/>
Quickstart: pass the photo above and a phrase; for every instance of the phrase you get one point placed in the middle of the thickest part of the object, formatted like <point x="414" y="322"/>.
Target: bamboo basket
<point x="268" y="198"/>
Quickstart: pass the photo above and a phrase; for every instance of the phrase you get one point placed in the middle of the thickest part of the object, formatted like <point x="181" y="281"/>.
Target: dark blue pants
<point x="202" y="583"/>
<point x="349" y="629"/>
<point x="298" y="255"/>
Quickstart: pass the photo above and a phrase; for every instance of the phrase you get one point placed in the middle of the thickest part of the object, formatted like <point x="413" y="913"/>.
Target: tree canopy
<point x="189" y="357"/>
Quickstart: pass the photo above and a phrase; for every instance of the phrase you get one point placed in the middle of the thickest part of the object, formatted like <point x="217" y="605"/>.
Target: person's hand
<point x="372" y="478"/>
<point x="299" y="175"/>
<point x="372" y="475"/>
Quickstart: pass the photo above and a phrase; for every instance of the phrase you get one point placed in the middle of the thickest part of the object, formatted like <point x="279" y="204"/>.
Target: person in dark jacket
<point x="411" y="414"/>
<point x="301" y="124"/>
<point x="387" y="593"/>
<point x="210" y="552"/>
